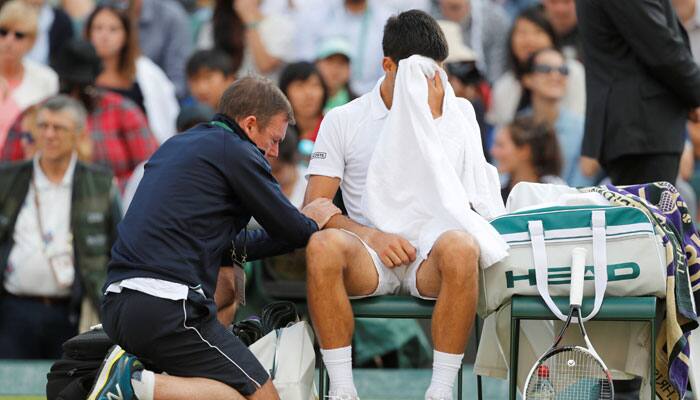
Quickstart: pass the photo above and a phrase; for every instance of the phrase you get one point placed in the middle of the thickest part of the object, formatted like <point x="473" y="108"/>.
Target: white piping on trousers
<point x="184" y="324"/>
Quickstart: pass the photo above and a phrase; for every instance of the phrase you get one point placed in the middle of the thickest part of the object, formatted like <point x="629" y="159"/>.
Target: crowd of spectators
<point x="144" y="70"/>
<point x="130" y="61"/>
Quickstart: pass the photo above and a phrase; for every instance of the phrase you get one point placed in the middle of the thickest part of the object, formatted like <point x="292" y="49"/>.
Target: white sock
<point x="144" y="384"/>
<point x="445" y="369"/>
<point x="338" y="362"/>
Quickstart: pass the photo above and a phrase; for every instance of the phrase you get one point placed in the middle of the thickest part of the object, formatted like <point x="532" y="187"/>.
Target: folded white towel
<point x="425" y="173"/>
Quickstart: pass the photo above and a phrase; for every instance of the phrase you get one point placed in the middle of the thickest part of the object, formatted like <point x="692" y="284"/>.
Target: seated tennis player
<point x="353" y="259"/>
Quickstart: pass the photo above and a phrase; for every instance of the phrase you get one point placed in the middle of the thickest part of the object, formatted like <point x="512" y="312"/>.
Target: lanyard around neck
<point x="45" y="238"/>
<point x="222" y="125"/>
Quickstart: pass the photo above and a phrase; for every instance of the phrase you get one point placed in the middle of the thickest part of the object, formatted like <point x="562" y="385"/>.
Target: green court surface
<point x="26" y="380"/>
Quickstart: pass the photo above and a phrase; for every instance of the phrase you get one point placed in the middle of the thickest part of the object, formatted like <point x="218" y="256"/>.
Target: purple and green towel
<point x="662" y="202"/>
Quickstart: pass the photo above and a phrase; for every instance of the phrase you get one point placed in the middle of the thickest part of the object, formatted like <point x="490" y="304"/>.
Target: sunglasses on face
<point x="18" y="35"/>
<point x="547" y="69"/>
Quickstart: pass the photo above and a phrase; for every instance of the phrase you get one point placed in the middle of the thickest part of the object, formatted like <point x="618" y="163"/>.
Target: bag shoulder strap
<point x="539" y="252"/>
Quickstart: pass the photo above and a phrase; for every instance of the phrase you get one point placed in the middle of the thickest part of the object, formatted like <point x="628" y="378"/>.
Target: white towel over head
<point x="425" y="173"/>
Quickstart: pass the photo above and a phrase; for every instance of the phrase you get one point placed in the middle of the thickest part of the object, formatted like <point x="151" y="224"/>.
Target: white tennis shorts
<point x="393" y="281"/>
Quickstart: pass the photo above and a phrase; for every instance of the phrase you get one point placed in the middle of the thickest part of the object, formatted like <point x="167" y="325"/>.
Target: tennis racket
<point x="570" y="372"/>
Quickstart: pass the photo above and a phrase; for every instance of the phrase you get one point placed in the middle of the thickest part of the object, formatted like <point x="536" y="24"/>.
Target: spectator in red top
<point x="304" y="87"/>
<point x="118" y="130"/>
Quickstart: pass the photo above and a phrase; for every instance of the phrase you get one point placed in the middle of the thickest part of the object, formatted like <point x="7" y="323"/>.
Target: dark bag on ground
<point x="72" y="377"/>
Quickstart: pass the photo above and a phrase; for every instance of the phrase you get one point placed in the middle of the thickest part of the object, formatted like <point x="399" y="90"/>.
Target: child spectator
<point x="209" y="73"/>
<point x="129" y="74"/>
<point x="302" y="84"/>
<point x="531" y="32"/>
<point x="361" y="23"/>
<point x="526" y="151"/>
<point x="333" y="63"/>
<point x="23" y="83"/>
<point x="288" y="172"/>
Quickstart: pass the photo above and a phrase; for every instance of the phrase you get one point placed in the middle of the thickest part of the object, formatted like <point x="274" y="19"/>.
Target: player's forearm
<point x="343" y="222"/>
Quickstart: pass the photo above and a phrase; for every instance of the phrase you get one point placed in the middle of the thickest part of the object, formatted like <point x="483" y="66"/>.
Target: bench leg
<point x="477" y="330"/>
<point x="459" y="384"/>
<point x="322" y="387"/>
<point x="514" y="343"/>
<point x="652" y="360"/>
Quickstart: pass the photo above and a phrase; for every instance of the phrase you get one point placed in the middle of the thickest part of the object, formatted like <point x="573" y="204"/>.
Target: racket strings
<point x="571" y="374"/>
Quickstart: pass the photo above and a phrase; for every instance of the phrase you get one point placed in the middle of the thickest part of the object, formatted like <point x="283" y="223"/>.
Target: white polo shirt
<point x="348" y="136"/>
<point x="28" y="271"/>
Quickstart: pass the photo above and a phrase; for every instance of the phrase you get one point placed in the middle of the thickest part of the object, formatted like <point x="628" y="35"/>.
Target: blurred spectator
<point x="689" y="14"/>
<point x="562" y="15"/>
<point x="307" y="93"/>
<point x="288" y="172"/>
<point x="199" y="15"/>
<point x="361" y="23"/>
<point x="642" y="82"/>
<point x="546" y="78"/>
<point x="78" y="11"/>
<point x="531" y="32"/>
<point x="398" y="6"/>
<point x="289" y="7"/>
<point x="193" y="115"/>
<point x="55" y="28"/>
<point x="62" y="222"/>
<point x="485" y="28"/>
<point x="465" y="78"/>
<point x="117" y="128"/>
<point x="165" y="37"/>
<point x="188" y="118"/>
<point x="333" y="63"/>
<point x="129" y="74"/>
<point x="188" y="5"/>
<point x="526" y="151"/>
<point x="22" y="82"/>
<point x="209" y="74"/>
<point x="259" y="44"/>
<point x="515" y="7"/>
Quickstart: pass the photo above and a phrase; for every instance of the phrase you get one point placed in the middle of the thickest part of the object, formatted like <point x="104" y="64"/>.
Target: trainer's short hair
<point x="254" y="95"/>
<point x="61" y="103"/>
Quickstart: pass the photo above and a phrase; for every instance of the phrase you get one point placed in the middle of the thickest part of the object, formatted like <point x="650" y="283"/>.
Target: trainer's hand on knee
<point x="393" y="250"/>
<point x="321" y="211"/>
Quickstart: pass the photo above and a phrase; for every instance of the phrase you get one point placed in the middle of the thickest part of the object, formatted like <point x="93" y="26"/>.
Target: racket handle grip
<point x="578" y="269"/>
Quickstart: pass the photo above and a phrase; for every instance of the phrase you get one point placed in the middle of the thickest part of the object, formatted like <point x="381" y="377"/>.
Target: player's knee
<point x="325" y="252"/>
<point x="458" y="244"/>
<point x="459" y="254"/>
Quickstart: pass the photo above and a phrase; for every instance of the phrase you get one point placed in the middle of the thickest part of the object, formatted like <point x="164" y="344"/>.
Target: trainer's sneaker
<point x="114" y="379"/>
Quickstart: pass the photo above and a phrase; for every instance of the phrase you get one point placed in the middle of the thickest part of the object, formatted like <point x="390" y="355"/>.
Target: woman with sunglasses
<point x="546" y="80"/>
<point x="23" y="83"/>
<point x="531" y="32"/>
<point x="527" y="151"/>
